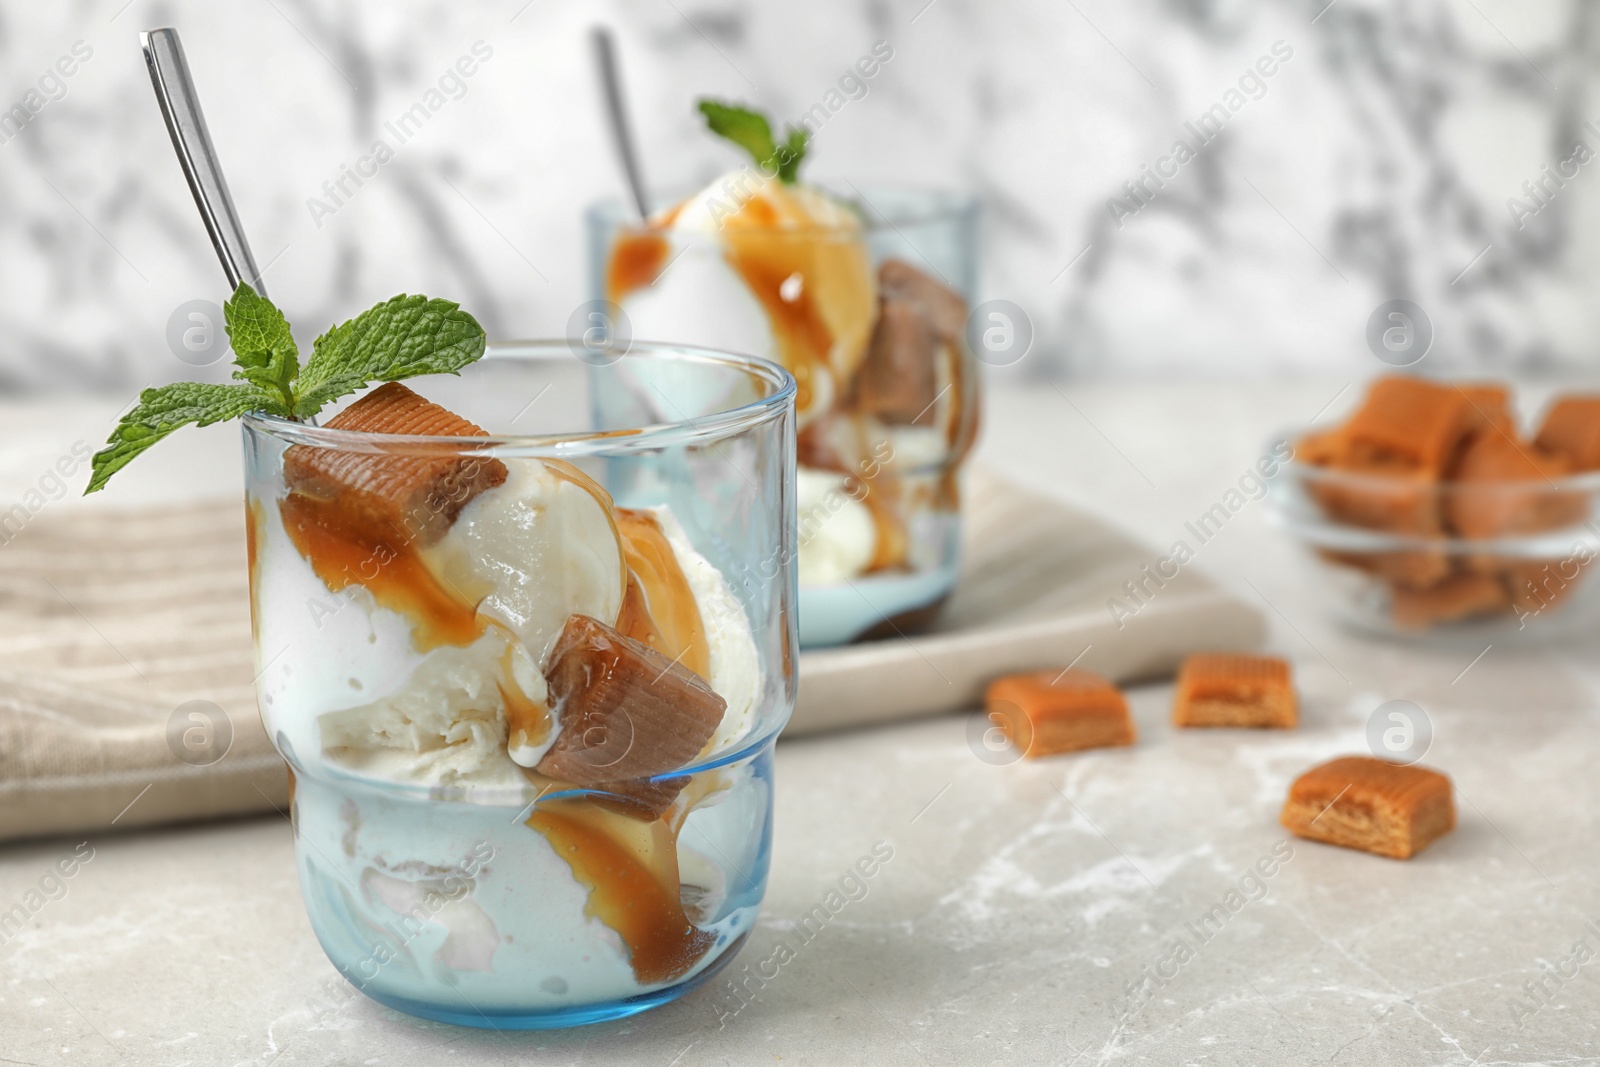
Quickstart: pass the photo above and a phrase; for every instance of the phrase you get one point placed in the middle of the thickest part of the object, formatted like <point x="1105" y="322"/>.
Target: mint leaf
<point x="751" y="131"/>
<point x="263" y="347"/>
<point x="399" y="338"/>
<point x="790" y="154"/>
<point x="163" y="410"/>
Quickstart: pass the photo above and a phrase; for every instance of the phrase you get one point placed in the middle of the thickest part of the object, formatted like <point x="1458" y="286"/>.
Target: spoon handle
<point x="180" y="106"/>
<point x="605" y="53"/>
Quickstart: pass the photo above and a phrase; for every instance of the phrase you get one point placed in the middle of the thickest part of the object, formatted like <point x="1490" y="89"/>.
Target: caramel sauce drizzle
<point x="528" y="721"/>
<point x="630" y="869"/>
<point x="766" y="261"/>
<point x="882" y="503"/>
<point x="636" y="261"/>
<point x="658" y="607"/>
<point x="396" y="576"/>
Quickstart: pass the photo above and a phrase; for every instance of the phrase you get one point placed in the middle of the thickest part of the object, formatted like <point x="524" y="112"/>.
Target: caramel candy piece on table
<point x="1371" y="804"/>
<point x="1230" y="689"/>
<point x="626" y="711"/>
<point x="1572" y="427"/>
<point x="1047" y="712"/>
<point x="383" y="496"/>
<point x="1460" y="596"/>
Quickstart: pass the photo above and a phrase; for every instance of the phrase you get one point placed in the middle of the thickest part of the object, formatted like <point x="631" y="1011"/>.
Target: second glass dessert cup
<point x="528" y="686"/>
<point x="865" y="299"/>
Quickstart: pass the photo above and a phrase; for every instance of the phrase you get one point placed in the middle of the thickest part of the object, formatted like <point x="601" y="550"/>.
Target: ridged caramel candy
<point x="1572" y="427"/>
<point x="404" y="498"/>
<point x="1047" y="712"/>
<point x="1372" y="805"/>
<point x="1228" y="689"/>
<point x="1400" y="444"/>
<point x="626" y="711"/>
<point x="899" y="380"/>
<point x="1411" y="423"/>
<point x="946" y="310"/>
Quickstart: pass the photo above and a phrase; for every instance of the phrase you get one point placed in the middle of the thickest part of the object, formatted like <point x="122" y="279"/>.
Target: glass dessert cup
<point x="865" y="300"/>
<point x="1398" y="561"/>
<point x="529" y="715"/>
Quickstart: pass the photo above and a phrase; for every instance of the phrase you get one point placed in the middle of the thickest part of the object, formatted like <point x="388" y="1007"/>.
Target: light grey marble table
<point x="1025" y="905"/>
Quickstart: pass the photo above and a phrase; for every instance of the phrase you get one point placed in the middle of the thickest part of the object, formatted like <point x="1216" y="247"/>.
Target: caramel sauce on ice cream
<point x="343" y="555"/>
<point x="630" y="869"/>
<point x="636" y="262"/>
<point x="658" y="608"/>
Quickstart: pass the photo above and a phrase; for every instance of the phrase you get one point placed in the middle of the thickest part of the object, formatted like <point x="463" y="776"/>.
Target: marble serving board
<point x="1037" y="583"/>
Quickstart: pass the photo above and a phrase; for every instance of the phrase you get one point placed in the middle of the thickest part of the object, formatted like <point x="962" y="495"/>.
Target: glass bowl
<point x="843" y="293"/>
<point x="1453" y="560"/>
<point x="444" y="875"/>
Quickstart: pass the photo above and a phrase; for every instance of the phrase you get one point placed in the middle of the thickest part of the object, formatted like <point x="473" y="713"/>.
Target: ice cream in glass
<point x="527" y="715"/>
<point x="864" y="299"/>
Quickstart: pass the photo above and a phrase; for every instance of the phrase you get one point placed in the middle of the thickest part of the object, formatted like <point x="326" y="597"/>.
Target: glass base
<point x="838" y="614"/>
<point x="466" y="1015"/>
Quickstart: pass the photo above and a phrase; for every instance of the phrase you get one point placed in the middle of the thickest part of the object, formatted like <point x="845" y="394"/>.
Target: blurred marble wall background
<point x="1385" y="155"/>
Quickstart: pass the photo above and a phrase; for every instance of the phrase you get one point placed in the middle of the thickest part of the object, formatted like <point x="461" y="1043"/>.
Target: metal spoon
<point x="180" y="106"/>
<point x="605" y="54"/>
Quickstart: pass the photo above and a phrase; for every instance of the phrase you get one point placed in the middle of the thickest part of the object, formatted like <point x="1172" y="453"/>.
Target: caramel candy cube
<point x="1047" y="712"/>
<point x="1325" y="448"/>
<point x="1386" y="494"/>
<point x="1460" y="596"/>
<point x="1411" y="424"/>
<point x="393" y="497"/>
<point x="626" y="711"/>
<point x="1503" y="486"/>
<point x="944" y="307"/>
<point x="1572" y="427"/>
<point x="898" y="380"/>
<point x="1399" y="446"/>
<point x="1371" y="804"/>
<point x="1231" y="689"/>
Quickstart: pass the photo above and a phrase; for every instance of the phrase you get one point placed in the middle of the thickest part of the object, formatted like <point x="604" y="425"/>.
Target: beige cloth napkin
<point x="109" y="623"/>
<point x="113" y="623"/>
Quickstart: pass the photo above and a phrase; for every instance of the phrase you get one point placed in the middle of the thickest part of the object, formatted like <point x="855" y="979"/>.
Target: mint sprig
<point x="400" y="338"/>
<point x="750" y="130"/>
